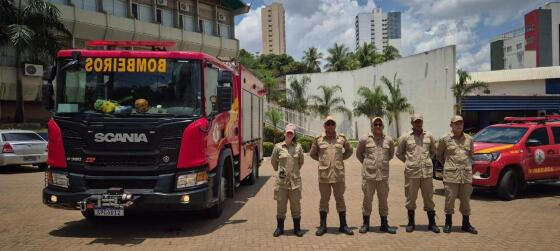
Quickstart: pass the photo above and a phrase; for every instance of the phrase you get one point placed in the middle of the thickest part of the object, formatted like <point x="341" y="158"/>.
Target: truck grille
<point x="125" y="161"/>
<point x="126" y="184"/>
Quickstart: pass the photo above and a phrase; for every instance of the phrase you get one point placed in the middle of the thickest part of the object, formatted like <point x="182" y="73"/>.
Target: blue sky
<point x="426" y="25"/>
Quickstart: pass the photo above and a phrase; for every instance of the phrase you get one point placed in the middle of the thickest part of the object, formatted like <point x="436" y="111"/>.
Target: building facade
<point x="379" y="28"/>
<point x="195" y="25"/>
<point x="273" y="29"/>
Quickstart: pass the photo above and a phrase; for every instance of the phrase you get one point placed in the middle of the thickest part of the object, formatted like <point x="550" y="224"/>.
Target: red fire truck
<point x="137" y="127"/>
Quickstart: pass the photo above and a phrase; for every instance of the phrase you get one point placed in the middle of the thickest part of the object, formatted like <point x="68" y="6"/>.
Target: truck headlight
<point x="488" y="157"/>
<point x="192" y="179"/>
<point x="57" y="179"/>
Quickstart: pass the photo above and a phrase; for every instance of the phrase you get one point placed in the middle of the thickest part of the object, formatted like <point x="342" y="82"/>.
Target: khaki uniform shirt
<point x="375" y="156"/>
<point x="286" y="161"/>
<point x="330" y="153"/>
<point x="417" y="152"/>
<point x="456" y="157"/>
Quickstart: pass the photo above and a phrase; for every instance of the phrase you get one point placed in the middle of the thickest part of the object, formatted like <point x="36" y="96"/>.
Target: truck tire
<point x="217" y="210"/>
<point x="88" y="214"/>
<point x="509" y="185"/>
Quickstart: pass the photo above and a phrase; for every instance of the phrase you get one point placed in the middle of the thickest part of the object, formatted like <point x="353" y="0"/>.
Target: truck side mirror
<point x="533" y="142"/>
<point x="47" y="95"/>
<point x="225" y="93"/>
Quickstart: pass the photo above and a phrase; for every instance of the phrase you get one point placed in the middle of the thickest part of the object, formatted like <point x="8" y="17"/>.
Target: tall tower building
<point x="379" y="28"/>
<point x="273" y="29"/>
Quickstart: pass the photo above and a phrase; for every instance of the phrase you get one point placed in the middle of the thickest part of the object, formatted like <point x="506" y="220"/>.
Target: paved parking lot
<point x="531" y="222"/>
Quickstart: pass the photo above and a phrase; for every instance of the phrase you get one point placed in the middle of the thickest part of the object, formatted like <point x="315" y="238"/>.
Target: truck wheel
<point x="88" y="214"/>
<point x="252" y="179"/>
<point x="509" y="185"/>
<point x="216" y="210"/>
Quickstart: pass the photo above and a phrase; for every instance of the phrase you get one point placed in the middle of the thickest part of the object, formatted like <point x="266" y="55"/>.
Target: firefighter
<point x="455" y="151"/>
<point x="287" y="159"/>
<point x="416" y="149"/>
<point x="330" y="149"/>
<point x="374" y="151"/>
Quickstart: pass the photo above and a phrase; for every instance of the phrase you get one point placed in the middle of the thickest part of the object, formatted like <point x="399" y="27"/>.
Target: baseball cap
<point x="416" y="116"/>
<point x="290" y="128"/>
<point x="456" y="118"/>
<point x="329" y="118"/>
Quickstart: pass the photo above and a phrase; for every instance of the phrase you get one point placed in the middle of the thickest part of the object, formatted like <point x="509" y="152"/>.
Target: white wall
<point x="515" y="88"/>
<point x="364" y="29"/>
<point x="427" y="78"/>
<point x="555" y="22"/>
<point x="514" y="59"/>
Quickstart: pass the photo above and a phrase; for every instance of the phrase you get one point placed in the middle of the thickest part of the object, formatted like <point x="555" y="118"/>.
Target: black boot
<point x="323" y="226"/>
<point x="467" y="225"/>
<point x="411" y="226"/>
<point x="365" y="228"/>
<point x="279" y="227"/>
<point x="297" y="229"/>
<point x="432" y="222"/>
<point x="343" y="227"/>
<point x="385" y="226"/>
<point x="448" y="223"/>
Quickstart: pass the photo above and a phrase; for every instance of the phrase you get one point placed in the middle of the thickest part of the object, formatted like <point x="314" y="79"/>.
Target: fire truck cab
<point x="149" y="129"/>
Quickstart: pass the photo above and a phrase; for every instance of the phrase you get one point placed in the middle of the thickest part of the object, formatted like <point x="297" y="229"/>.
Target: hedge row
<point x="270" y="133"/>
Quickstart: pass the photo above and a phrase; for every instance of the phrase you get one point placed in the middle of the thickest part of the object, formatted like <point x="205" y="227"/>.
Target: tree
<point x="311" y="60"/>
<point x="329" y="103"/>
<point x="462" y="88"/>
<point x="390" y="53"/>
<point x="274" y="116"/>
<point x="366" y="54"/>
<point x="396" y="102"/>
<point x="338" y="58"/>
<point x="296" y="95"/>
<point x="372" y="102"/>
<point x="33" y="28"/>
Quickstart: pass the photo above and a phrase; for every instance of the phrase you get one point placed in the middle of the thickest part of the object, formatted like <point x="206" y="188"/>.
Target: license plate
<point x="108" y="211"/>
<point x="438" y="175"/>
<point x="29" y="158"/>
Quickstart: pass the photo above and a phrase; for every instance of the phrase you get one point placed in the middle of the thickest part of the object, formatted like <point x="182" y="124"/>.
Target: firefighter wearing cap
<point x="374" y="151"/>
<point x="287" y="159"/>
<point x="455" y="151"/>
<point x="416" y="149"/>
<point x="330" y="149"/>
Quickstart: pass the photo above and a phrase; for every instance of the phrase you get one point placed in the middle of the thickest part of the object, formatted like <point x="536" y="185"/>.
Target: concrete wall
<point x="514" y="58"/>
<point x="427" y="78"/>
<point x="515" y="88"/>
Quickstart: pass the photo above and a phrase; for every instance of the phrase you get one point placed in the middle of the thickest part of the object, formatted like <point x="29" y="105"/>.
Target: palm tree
<point x="296" y="95"/>
<point x="462" y="88"/>
<point x="329" y="103"/>
<point x="34" y="28"/>
<point x="396" y="103"/>
<point x="338" y="58"/>
<point x="372" y="102"/>
<point x="311" y="60"/>
<point x="390" y="53"/>
<point x="365" y="54"/>
<point x="274" y="116"/>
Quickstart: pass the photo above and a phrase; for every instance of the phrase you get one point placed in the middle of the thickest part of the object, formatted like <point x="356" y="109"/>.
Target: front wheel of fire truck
<point x="509" y="185"/>
<point x="216" y="210"/>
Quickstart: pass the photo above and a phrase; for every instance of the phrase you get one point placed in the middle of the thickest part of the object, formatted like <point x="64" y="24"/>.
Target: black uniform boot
<point x="297" y="229"/>
<point x="432" y="222"/>
<point x="343" y="227"/>
<point x="279" y="227"/>
<point x="323" y="225"/>
<point x="365" y="228"/>
<point x="467" y="225"/>
<point x="411" y="226"/>
<point x="385" y="226"/>
<point x="448" y="223"/>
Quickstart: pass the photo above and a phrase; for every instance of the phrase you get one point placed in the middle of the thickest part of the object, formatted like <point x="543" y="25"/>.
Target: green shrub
<point x="270" y="132"/>
<point x="267" y="148"/>
<point x="305" y="142"/>
<point x="353" y="143"/>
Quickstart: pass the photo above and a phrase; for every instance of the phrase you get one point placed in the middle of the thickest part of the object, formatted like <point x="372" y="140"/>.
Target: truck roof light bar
<point x="547" y="118"/>
<point x="155" y="45"/>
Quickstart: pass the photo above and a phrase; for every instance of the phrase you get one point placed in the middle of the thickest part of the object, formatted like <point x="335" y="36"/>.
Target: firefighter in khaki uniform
<point x="455" y="151"/>
<point x="416" y="149"/>
<point x="287" y="159"/>
<point x="374" y="151"/>
<point x="330" y="149"/>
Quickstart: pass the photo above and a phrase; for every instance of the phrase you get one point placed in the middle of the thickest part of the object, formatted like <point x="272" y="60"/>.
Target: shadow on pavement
<point x="16" y="169"/>
<point x="533" y="191"/>
<point x="134" y="228"/>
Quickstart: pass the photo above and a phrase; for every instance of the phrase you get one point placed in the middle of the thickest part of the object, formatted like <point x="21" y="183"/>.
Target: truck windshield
<point x="131" y="87"/>
<point x="500" y="135"/>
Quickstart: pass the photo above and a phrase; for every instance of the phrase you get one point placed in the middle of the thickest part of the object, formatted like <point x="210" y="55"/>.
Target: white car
<point x="22" y="147"/>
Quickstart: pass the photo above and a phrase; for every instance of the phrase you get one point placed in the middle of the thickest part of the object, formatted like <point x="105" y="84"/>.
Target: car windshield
<point x="20" y="136"/>
<point x="501" y="135"/>
<point x="131" y="87"/>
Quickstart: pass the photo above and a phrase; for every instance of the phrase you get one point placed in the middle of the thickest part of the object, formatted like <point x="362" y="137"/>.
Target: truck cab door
<point x="555" y="131"/>
<point x="540" y="155"/>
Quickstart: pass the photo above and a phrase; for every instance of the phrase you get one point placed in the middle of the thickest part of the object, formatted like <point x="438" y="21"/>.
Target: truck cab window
<point x="541" y="135"/>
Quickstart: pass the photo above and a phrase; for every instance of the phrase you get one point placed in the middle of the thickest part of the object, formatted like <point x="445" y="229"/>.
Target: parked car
<point x="22" y="147"/>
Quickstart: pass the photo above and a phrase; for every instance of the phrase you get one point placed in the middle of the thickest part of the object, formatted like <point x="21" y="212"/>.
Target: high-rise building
<point x="379" y="28"/>
<point x="273" y="29"/>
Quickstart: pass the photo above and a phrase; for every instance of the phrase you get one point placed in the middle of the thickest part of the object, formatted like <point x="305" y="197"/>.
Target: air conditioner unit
<point x="33" y="70"/>
<point x="183" y="6"/>
<point x="161" y="2"/>
<point x="221" y="17"/>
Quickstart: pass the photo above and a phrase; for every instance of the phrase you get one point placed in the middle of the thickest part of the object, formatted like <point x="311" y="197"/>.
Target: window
<point x="206" y="27"/>
<point x="21" y="137"/>
<point x="556" y="133"/>
<point x="212" y="84"/>
<point x="142" y="12"/>
<point x="90" y="5"/>
<point x="541" y="135"/>
<point x="164" y="17"/>
<point x="519" y="46"/>
<point x="508" y="49"/>
<point x="115" y="7"/>
<point x="187" y="22"/>
<point x="224" y="30"/>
